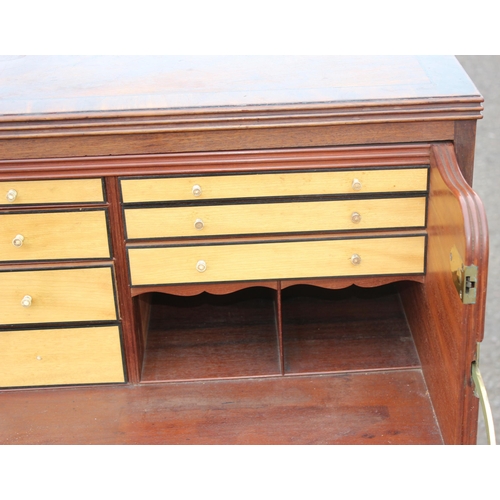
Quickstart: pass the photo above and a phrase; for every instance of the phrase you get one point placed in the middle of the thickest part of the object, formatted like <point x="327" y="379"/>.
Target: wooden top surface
<point x="68" y="85"/>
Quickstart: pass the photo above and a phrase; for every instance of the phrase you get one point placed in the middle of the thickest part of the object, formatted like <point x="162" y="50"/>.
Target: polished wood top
<point x="75" y="106"/>
<point x="78" y="84"/>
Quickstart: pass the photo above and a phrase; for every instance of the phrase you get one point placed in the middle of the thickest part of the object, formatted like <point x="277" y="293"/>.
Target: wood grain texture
<point x="261" y="261"/>
<point x="69" y="235"/>
<point x="377" y="408"/>
<point x="88" y="107"/>
<point x="273" y="185"/>
<point x="225" y="288"/>
<point x="342" y="331"/>
<point x="238" y="335"/>
<point x="52" y="191"/>
<point x="214" y="140"/>
<point x="203" y="163"/>
<point x="59" y="357"/>
<point x="464" y="144"/>
<point x="83" y="294"/>
<point x="445" y="330"/>
<point x="210" y="336"/>
<point x="267" y="218"/>
<point x="76" y="84"/>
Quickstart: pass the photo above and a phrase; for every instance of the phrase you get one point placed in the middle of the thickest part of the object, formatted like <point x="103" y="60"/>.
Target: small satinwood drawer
<point x="57" y="295"/>
<point x="268" y="218"/>
<point x="277" y="260"/>
<point x="51" y="192"/>
<point x="341" y="182"/>
<point x="54" y="236"/>
<point x="60" y="356"/>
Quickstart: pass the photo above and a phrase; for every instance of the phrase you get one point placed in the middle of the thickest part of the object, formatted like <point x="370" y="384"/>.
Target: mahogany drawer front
<point x="54" y="236"/>
<point x="61" y="356"/>
<point x="340" y="182"/>
<point x="277" y="260"/>
<point x="268" y="218"/>
<point x="60" y="295"/>
<point x="51" y="191"/>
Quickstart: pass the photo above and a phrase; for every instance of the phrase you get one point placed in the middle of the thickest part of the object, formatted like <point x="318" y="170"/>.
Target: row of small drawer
<point x="66" y="354"/>
<point x="211" y="187"/>
<point x="84" y="234"/>
<point x="73" y="234"/>
<point x="292" y="259"/>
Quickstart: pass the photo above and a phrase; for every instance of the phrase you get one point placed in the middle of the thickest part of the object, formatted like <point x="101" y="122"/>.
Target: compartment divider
<point x="279" y="327"/>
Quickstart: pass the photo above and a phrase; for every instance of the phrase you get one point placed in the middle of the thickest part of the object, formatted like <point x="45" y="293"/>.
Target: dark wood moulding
<point x="218" y="162"/>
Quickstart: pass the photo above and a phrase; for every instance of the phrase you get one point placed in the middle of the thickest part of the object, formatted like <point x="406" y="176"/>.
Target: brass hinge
<point x="464" y="277"/>
<point x="480" y="392"/>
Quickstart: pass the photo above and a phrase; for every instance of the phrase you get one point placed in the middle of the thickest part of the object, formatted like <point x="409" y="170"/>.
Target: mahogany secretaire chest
<point x="239" y="250"/>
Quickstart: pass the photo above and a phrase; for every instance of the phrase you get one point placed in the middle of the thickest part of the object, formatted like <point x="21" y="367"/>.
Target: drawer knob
<point x="356" y="185"/>
<point x="201" y="266"/>
<point x="356" y="217"/>
<point x="26" y="302"/>
<point x="355" y="259"/>
<point x="18" y="240"/>
<point x="198" y="224"/>
<point x="11" y="195"/>
<point x="196" y="190"/>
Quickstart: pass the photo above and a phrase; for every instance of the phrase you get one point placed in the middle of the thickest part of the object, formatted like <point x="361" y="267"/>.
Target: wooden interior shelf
<point x="355" y="329"/>
<point x="212" y="336"/>
<point x="351" y="408"/>
<point x="261" y="332"/>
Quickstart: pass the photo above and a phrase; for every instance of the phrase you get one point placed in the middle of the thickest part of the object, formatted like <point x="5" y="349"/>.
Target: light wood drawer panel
<point x="282" y="184"/>
<point x="60" y="295"/>
<point x="275" y="218"/>
<point x="261" y="261"/>
<point x="60" y="356"/>
<point x="55" y="191"/>
<point x="54" y="235"/>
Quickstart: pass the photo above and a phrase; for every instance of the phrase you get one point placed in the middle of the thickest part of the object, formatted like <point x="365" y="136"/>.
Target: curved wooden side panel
<point x="446" y="330"/>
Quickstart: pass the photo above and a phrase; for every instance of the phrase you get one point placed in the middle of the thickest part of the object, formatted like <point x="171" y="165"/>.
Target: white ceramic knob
<point x="355" y="259"/>
<point x="11" y="195"/>
<point x="196" y="190"/>
<point x="356" y="185"/>
<point x="356" y="217"/>
<point x="26" y="302"/>
<point x="18" y="240"/>
<point x="198" y="224"/>
<point x="201" y="266"/>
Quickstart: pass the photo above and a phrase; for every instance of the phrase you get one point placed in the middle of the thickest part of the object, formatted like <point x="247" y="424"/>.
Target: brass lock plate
<point x="464" y="277"/>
